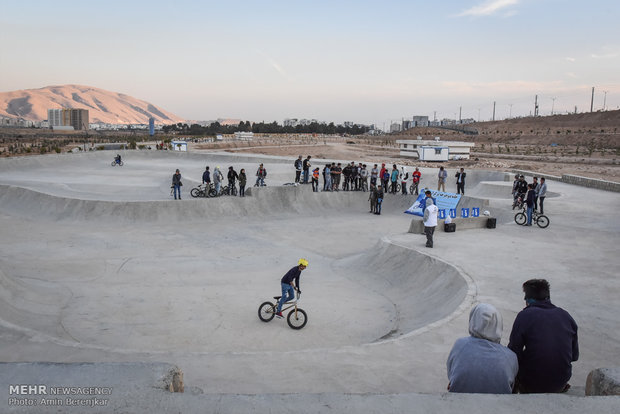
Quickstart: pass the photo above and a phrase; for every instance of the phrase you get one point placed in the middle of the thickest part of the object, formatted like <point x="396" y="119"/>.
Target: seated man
<point x="478" y="363"/>
<point x="544" y="337"/>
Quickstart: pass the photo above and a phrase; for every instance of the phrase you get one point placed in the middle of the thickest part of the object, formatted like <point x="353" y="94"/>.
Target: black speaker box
<point x="449" y="227"/>
<point x="491" y="223"/>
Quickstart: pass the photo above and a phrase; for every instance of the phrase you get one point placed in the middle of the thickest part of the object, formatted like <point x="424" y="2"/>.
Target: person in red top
<point x="416" y="180"/>
<point x="315" y="180"/>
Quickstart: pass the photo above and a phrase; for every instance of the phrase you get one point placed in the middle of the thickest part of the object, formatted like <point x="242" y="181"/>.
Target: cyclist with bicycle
<point x="232" y="177"/>
<point x="290" y="283"/>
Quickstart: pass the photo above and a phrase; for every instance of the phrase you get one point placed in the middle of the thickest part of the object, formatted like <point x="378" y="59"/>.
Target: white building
<point x="434" y="150"/>
<point x="244" y="136"/>
<point x="179" y="145"/>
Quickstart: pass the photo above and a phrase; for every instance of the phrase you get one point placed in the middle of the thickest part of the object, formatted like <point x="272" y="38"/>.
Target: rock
<point x="603" y="381"/>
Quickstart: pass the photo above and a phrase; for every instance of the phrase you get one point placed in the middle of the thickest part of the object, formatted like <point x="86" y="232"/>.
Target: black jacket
<point x="544" y="337"/>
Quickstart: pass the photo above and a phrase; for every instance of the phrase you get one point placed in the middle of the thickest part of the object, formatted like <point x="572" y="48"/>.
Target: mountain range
<point x="103" y="106"/>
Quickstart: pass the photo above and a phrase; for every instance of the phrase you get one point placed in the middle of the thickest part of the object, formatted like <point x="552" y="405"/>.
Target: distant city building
<point x="68" y="117"/>
<point x="395" y="127"/>
<point x="151" y="126"/>
<point x="179" y="146"/>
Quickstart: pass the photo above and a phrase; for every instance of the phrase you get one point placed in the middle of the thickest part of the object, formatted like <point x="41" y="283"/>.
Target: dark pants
<point x="315" y="184"/>
<point x="241" y="190"/>
<point x="297" y="175"/>
<point x="542" y="199"/>
<point x="460" y="188"/>
<point x="429" y="231"/>
<point x="404" y="187"/>
<point x="306" y="176"/>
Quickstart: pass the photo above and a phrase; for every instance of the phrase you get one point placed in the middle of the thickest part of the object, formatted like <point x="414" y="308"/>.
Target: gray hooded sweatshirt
<point x="479" y="363"/>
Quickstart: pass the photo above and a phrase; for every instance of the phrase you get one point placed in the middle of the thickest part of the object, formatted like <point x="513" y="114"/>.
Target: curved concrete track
<point x="99" y="264"/>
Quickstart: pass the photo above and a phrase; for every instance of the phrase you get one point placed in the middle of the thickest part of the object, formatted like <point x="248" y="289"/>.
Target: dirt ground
<point x="593" y="167"/>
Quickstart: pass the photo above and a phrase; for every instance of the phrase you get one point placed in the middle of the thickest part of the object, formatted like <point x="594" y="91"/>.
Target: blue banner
<point x="443" y="200"/>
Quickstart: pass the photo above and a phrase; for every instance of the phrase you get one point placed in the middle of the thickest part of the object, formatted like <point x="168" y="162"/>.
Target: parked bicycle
<point x="540" y="219"/>
<point x="296" y="318"/>
<point x="203" y="190"/>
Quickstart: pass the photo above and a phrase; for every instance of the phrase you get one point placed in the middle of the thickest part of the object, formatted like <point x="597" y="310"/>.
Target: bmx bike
<point x="540" y="219"/>
<point x="115" y="163"/>
<point x="296" y="318"/>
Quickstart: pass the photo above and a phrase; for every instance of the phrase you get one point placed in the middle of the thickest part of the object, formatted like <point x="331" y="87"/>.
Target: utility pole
<point x="478" y="114"/>
<point x="552" y="104"/>
<point x="536" y="105"/>
<point x="510" y="116"/>
<point x="605" y="101"/>
<point x="493" y="110"/>
<point x="434" y="115"/>
<point x="460" y="108"/>
<point x="592" y="101"/>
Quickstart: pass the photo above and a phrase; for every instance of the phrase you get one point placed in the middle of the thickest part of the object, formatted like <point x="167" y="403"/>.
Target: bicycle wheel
<point x="212" y="192"/>
<point x="297" y="319"/>
<point x="520" y="218"/>
<point x="266" y="311"/>
<point x="113" y="163"/>
<point x="120" y="163"/>
<point x="195" y="192"/>
<point x="542" y="221"/>
<point x="398" y="188"/>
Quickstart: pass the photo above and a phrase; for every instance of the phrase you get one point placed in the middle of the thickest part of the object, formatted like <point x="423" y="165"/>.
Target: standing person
<point x="306" y="167"/>
<point x="374" y="174"/>
<point x="298" y="167"/>
<point x="315" y="179"/>
<point x="176" y="183"/>
<point x="217" y="179"/>
<point x="346" y="174"/>
<point x="243" y="180"/>
<point x="364" y="178"/>
<point x="336" y="175"/>
<point x="544" y="337"/>
<point x="358" y="181"/>
<point x="394" y="178"/>
<point x="460" y="181"/>
<point x="327" y="176"/>
<point x="290" y="283"/>
<point x="535" y="187"/>
<point x="232" y="177"/>
<point x="382" y="171"/>
<point x="261" y="173"/>
<point x="206" y="179"/>
<point x="379" y="200"/>
<point x="442" y="175"/>
<point x="430" y="221"/>
<point x="385" y="180"/>
<point x="542" y="193"/>
<point x="372" y="197"/>
<point x="404" y="176"/>
<point x="515" y="186"/>
<point x="479" y="363"/>
<point x="416" y="180"/>
<point x="530" y="204"/>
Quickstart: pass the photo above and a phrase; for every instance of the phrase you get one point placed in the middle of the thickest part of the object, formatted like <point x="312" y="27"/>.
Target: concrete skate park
<point x="100" y="265"/>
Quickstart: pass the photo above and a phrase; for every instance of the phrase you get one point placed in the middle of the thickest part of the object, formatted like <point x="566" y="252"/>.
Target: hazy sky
<point x="359" y="61"/>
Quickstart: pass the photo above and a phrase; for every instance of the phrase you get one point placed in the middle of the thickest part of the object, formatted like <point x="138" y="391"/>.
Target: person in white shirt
<point x="430" y="221"/>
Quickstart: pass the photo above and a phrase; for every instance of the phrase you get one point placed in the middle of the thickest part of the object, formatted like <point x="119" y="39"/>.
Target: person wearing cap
<point x="261" y="173"/>
<point x="430" y="221"/>
<point x="479" y="363"/>
<point x="544" y="337"/>
<point x="290" y="283"/>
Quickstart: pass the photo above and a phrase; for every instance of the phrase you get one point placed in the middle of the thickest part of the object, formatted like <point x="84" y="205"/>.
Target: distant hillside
<point x="103" y="106"/>
<point x="573" y="129"/>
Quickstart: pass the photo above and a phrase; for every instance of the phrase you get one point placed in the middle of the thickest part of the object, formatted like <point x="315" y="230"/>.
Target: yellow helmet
<point x="303" y="262"/>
